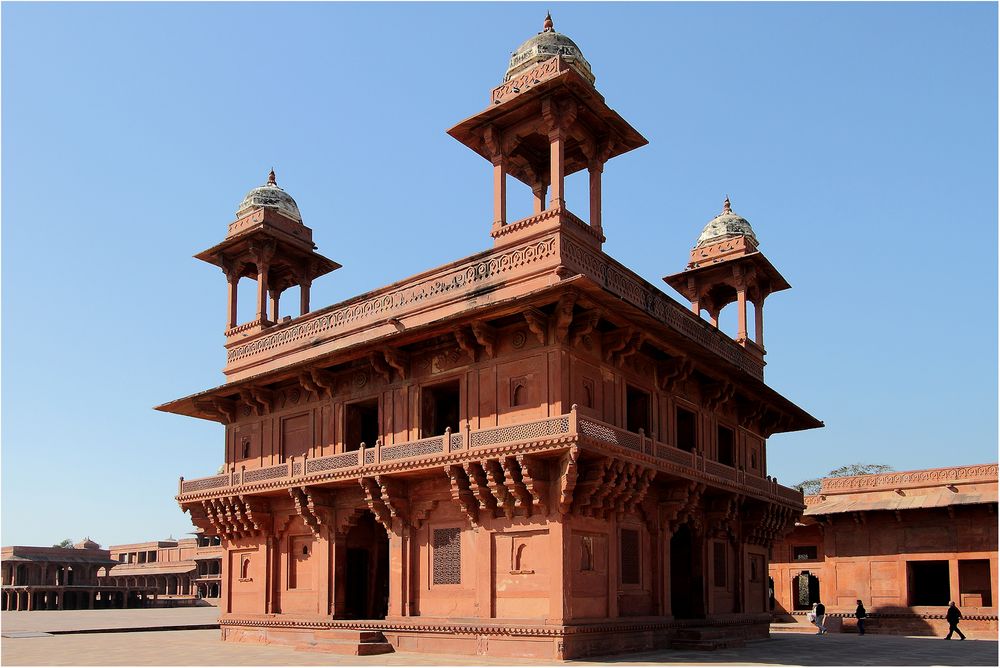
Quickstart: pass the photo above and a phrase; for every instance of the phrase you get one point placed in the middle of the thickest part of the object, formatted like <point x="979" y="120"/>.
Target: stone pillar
<point x="304" y="296"/>
<point x="231" y="305"/>
<point x="262" y="271"/>
<point x="557" y="167"/>
<point x="397" y="567"/>
<point x="499" y="193"/>
<point x="595" y="168"/>
<point x="714" y="318"/>
<point x="338" y="571"/>
<point x="61" y="604"/>
<point x="759" y="323"/>
<point x="275" y="297"/>
<point x="538" y="194"/>
<point x="741" y="303"/>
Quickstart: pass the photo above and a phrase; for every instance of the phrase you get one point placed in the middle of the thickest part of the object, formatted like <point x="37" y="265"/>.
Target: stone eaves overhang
<point x="605" y="282"/>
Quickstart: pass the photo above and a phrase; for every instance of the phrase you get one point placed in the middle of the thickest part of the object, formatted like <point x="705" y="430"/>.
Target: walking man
<point x="820" y="618"/>
<point x="953" y="615"/>
<point x="860" y="615"/>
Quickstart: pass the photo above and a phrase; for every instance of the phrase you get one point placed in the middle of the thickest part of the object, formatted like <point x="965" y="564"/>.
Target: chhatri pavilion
<point x="530" y="451"/>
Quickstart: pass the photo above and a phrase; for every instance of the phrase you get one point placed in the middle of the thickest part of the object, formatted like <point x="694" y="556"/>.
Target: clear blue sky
<point x="860" y="140"/>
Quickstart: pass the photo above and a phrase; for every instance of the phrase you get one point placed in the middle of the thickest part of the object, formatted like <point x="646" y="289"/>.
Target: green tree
<point x="812" y="486"/>
<point x="65" y="543"/>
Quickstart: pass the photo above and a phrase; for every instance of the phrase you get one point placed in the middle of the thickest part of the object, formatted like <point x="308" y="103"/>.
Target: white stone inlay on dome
<point x="726" y="224"/>
<point x="270" y="196"/>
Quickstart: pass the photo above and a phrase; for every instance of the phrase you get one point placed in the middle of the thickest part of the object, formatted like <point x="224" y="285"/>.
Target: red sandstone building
<point x="904" y="543"/>
<point x="64" y="578"/>
<point x="530" y="451"/>
<point x="178" y="571"/>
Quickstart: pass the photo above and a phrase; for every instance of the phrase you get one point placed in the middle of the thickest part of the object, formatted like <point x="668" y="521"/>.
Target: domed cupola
<point x="543" y="46"/>
<point x="270" y="196"/>
<point x="727" y="224"/>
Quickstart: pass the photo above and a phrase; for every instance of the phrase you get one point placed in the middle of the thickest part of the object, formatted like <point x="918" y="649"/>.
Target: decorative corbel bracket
<point x="675" y="372"/>
<point x="564" y="315"/>
<point x="585" y="324"/>
<point x="538" y="323"/>
<point x="486" y="336"/>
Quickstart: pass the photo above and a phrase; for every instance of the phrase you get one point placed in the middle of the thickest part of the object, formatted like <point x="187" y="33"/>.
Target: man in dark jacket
<point x="860" y="615"/>
<point x="953" y="615"/>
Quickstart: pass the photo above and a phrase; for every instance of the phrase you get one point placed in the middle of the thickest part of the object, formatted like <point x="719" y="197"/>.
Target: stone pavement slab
<point x="204" y="648"/>
<point x="65" y="621"/>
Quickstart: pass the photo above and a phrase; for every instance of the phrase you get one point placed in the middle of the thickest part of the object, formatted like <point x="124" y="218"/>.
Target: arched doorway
<point x="805" y="590"/>
<point x="687" y="595"/>
<point x="366" y="572"/>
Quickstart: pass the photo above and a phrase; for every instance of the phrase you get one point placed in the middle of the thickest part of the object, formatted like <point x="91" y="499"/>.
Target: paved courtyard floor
<point x="202" y="647"/>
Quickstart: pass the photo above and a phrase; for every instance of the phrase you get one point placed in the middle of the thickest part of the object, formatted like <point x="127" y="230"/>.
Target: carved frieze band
<point x="985" y="472"/>
<point x="382" y="306"/>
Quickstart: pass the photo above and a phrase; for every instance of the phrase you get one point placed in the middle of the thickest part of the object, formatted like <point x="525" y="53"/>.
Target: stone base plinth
<point x="514" y="639"/>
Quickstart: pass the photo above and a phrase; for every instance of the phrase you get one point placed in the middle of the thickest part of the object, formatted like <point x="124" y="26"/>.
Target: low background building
<point x="180" y="572"/>
<point x="64" y="578"/>
<point x="905" y="543"/>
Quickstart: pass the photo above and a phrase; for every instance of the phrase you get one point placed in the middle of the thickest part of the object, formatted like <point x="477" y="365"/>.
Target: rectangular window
<point x="719" y="564"/>
<point x="439" y="410"/>
<point x="447" y="556"/>
<point x="636" y="409"/>
<point x="687" y="429"/>
<point x="727" y="454"/>
<point x="804" y="553"/>
<point x="927" y="583"/>
<point x="630" y="557"/>
<point x="361" y="424"/>
<point x="974" y="590"/>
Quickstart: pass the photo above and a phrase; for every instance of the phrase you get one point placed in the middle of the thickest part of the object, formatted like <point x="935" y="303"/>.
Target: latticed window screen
<point x="630" y="556"/>
<point x="447" y="556"/>
<point x="719" y="564"/>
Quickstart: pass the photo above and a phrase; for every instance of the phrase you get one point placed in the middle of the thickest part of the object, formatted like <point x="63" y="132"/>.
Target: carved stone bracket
<point x="466" y="342"/>
<point x="564" y="315"/>
<point x="674" y="373"/>
<point x="479" y="485"/>
<point x="585" y="323"/>
<point x="679" y="505"/>
<point x="259" y="399"/>
<point x="568" y="470"/>
<point x="421" y="510"/>
<point x="495" y="482"/>
<point x="615" y="342"/>
<point x="486" y="337"/>
<point x="751" y="412"/>
<point x="373" y="497"/>
<point x="764" y="522"/>
<point x="398" y="360"/>
<point x="535" y="480"/>
<point x="462" y="493"/>
<point x="315" y="506"/>
<point x="380" y="366"/>
<point x="395" y="498"/>
<point x="224" y="410"/>
<point x="716" y="394"/>
<point x="318" y="381"/>
<point x="233" y="517"/>
<point x="591" y="480"/>
<point x="722" y="516"/>
<point x="538" y="323"/>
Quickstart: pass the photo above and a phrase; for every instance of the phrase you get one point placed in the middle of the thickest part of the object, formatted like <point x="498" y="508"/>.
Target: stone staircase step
<point x="346" y="648"/>
<point x="347" y="642"/>
<point x="349" y="635"/>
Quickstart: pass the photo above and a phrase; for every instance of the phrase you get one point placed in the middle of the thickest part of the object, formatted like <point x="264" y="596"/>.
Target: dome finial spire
<point x="726" y="206"/>
<point x="270" y="178"/>
<point x="547" y="25"/>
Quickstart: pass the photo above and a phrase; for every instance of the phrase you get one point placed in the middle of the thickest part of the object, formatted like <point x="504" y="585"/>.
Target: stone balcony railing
<point x="537" y="436"/>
